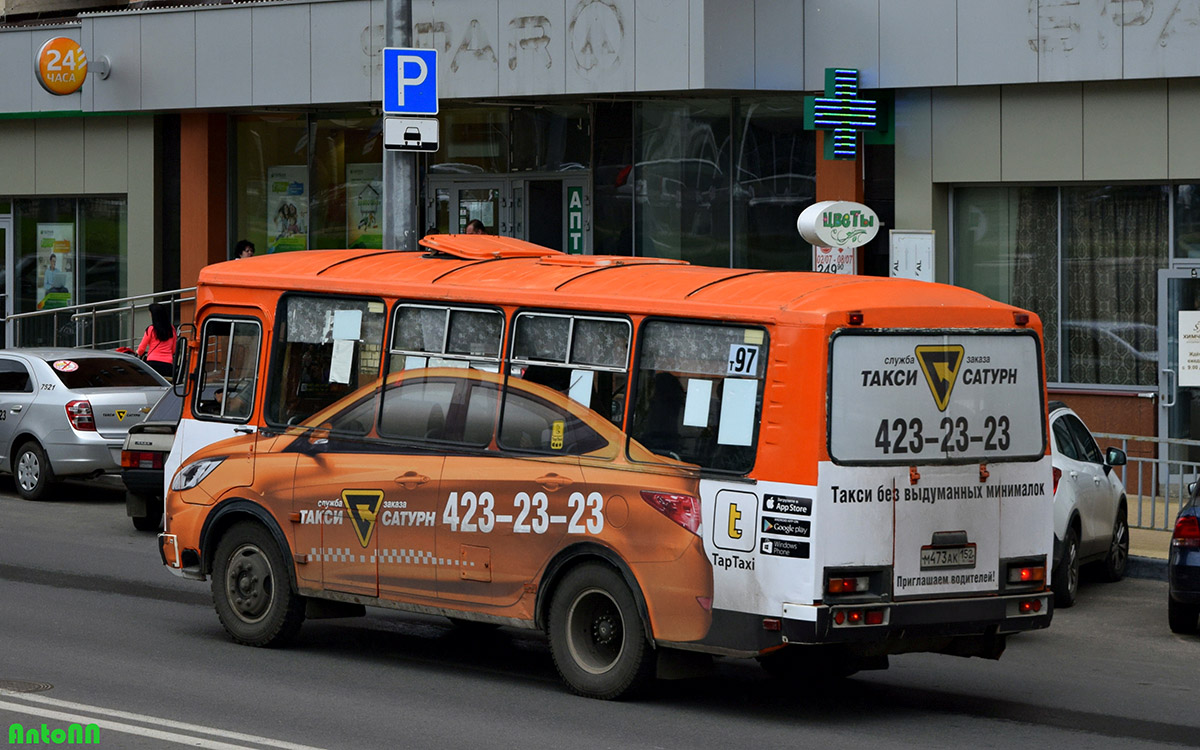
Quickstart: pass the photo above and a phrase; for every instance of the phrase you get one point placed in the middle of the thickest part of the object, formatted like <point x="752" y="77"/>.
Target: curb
<point x="1152" y="568"/>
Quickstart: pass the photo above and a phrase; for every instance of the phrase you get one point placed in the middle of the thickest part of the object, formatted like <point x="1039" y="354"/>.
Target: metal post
<point x="400" y="197"/>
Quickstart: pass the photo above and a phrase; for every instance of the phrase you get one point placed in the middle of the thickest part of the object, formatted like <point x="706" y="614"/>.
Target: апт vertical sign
<point x="574" y="219"/>
<point x="61" y="66"/>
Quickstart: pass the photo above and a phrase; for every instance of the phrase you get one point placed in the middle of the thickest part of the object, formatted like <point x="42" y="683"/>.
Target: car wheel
<point x="153" y="519"/>
<point x="596" y="634"/>
<point x="31" y="470"/>
<point x="251" y="588"/>
<point x="1066" y="576"/>
<point x="1182" y="617"/>
<point x="1118" y="549"/>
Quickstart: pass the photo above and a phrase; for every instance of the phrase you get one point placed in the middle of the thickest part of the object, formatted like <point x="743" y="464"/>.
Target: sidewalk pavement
<point x="1148" y="553"/>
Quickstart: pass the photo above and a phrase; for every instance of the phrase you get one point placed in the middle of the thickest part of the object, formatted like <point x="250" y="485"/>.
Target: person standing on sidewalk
<point x="158" y="343"/>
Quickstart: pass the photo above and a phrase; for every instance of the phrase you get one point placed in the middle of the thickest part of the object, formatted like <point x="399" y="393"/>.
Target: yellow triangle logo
<point x="363" y="507"/>
<point x="121" y="415"/>
<point x="940" y="365"/>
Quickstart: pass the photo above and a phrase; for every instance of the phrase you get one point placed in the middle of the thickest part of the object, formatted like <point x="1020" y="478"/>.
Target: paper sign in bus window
<point x="581" y="386"/>
<point x="695" y="408"/>
<point x="737" y="411"/>
<point x="412" y="362"/>
<point x="347" y="325"/>
<point x="341" y="361"/>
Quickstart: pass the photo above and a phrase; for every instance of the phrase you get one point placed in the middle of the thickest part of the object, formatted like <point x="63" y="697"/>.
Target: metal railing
<point x="94" y="325"/>
<point x="1156" y="488"/>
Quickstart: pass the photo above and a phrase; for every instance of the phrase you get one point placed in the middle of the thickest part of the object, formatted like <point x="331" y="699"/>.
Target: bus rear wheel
<point x="596" y="635"/>
<point x="251" y="590"/>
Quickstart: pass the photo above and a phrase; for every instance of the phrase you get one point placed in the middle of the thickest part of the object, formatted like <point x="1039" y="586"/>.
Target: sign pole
<point x="400" y="195"/>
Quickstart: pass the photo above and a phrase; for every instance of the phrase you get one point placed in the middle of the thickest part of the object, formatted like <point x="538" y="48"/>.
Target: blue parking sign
<point x="410" y="81"/>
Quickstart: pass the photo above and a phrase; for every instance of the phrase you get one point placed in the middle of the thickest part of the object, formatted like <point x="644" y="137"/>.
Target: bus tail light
<point x="79" y="413"/>
<point x="1027" y="574"/>
<point x="1187" y="532"/>
<point x="682" y="509"/>
<point x="852" y="617"/>
<point x="1029" y="606"/>
<point x="848" y="585"/>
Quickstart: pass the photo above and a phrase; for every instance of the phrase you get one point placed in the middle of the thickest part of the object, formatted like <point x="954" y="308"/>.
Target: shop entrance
<point x="1179" y="363"/>
<point x="550" y="209"/>
<point x="6" y="245"/>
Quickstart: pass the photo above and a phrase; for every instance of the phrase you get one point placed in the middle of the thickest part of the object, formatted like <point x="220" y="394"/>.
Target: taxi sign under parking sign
<point x="410" y="81"/>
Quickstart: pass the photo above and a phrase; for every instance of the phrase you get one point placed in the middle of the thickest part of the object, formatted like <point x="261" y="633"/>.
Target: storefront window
<point x="67" y="252"/>
<point x="347" y="195"/>
<point x="682" y="181"/>
<point x="473" y="141"/>
<point x="1187" y="221"/>
<point x="1085" y="259"/>
<point x="775" y="180"/>
<point x="612" y="180"/>
<point x="550" y="139"/>
<point x="271" y="185"/>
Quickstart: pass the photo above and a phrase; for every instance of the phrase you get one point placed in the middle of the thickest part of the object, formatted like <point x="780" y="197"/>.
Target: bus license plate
<point x="948" y="557"/>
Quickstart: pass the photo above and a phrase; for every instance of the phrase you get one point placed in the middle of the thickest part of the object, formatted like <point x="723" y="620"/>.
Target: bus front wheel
<point x="251" y="590"/>
<point x="596" y="634"/>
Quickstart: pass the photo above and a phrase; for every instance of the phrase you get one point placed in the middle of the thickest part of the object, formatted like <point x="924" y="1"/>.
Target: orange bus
<point x="653" y="462"/>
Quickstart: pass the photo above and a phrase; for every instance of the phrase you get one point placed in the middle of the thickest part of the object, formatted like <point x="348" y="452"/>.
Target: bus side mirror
<point x="181" y="367"/>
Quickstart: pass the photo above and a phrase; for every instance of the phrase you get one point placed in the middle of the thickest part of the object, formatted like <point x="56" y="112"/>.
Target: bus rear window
<point x="699" y="391"/>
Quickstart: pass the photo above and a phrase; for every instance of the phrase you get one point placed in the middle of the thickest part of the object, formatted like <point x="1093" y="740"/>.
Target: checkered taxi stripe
<point x="384" y="556"/>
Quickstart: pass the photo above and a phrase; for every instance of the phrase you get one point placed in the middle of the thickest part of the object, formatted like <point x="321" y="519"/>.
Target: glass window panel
<point x="14" y="377"/>
<point x="550" y="138"/>
<point x="1187" y="221"/>
<point x="682" y="181"/>
<point x="535" y="424"/>
<point x="347" y="194"/>
<point x="774" y="181"/>
<point x="612" y="180"/>
<point x="475" y="333"/>
<point x="1114" y="243"/>
<point x="604" y="343"/>
<point x="271" y="181"/>
<point x="698" y="393"/>
<point x="228" y="369"/>
<point x="421" y="329"/>
<point x="417" y="408"/>
<point x="541" y="338"/>
<point x="1063" y="440"/>
<point x="1006" y="247"/>
<point x="328" y="347"/>
<point x="473" y="141"/>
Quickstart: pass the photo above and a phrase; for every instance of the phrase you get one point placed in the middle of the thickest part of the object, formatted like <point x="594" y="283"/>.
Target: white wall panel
<point x="1161" y="39"/>
<point x="105" y="154"/>
<point x="341" y="70"/>
<point x="58" y="145"/>
<point x="533" y="43"/>
<point x="1040" y="132"/>
<point x="224" y="58"/>
<point x="18" y="144"/>
<point x="281" y="54"/>
<point x="1079" y="40"/>
<point x="997" y="42"/>
<point x="1125" y="131"/>
<point x="372" y="43"/>
<point x="601" y="54"/>
<point x="662" y="44"/>
<point x="120" y="40"/>
<point x="841" y="34"/>
<point x="169" y="51"/>
<point x="966" y="134"/>
<point x="724" y="44"/>
<point x="778" y="45"/>
<point x="466" y="35"/>
<point x="914" y="159"/>
<point x="917" y="43"/>
<point x="47" y="102"/>
<point x="16" y="60"/>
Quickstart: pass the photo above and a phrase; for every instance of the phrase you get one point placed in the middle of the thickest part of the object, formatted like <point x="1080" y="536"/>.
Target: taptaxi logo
<point x="735" y="520"/>
<point x="940" y="364"/>
<point x="363" y="507"/>
<point x="121" y="415"/>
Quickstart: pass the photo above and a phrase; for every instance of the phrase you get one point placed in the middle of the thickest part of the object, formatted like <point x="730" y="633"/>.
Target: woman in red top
<point x="158" y="345"/>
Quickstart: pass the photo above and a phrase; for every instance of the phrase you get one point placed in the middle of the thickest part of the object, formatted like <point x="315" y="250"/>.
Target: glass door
<point x="6" y="246"/>
<point x="480" y="201"/>
<point x="1179" y="362"/>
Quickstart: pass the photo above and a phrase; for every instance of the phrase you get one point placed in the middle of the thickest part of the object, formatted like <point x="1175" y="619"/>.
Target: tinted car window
<point x="1063" y="440"/>
<point x="168" y="409"/>
<point x="1084" y="439"/>
<point x="104" y="372"/>
<point x="14" y="377"/>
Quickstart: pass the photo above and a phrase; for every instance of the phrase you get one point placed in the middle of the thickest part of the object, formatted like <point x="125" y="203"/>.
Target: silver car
<point x="64" y="413"/>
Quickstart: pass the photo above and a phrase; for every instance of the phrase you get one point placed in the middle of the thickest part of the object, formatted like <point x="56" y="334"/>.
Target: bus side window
<point x="228" y="369"/>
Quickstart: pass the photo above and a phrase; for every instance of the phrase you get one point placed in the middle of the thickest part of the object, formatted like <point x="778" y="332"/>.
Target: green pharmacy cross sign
<point x="841" y="111"/>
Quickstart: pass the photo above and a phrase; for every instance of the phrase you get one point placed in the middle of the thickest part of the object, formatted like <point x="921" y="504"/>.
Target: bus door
<point x="225" y="392"/>
<point x="960" y="419"/>
<point x="323" y="396"/>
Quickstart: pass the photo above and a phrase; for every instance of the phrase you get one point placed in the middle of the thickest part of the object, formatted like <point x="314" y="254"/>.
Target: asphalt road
<point x="86" y="609"/>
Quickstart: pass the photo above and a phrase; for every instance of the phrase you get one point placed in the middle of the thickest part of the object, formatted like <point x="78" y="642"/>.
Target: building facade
<point x="1049" y="145"/>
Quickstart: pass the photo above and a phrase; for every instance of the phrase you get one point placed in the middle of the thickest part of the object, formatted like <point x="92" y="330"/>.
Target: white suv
<point x="1090" y="513"/>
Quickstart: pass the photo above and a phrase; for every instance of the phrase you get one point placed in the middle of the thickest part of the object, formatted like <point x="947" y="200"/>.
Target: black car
<point x="142" y="458"/>
<point x="1183" y="568"/>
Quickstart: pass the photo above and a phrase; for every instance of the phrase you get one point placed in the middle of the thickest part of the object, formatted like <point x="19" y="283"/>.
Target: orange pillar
<point x="203" y="196"/>
<point x="838" y="179"/>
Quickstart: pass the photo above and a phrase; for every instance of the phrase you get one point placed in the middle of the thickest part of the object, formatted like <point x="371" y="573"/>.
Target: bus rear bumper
<point x="975" y="626"/>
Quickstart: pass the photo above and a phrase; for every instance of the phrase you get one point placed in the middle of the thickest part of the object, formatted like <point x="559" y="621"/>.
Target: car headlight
<point x="194" y="473"/>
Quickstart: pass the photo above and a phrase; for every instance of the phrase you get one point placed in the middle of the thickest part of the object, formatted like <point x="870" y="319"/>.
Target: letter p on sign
<point x="410" y="81"/>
